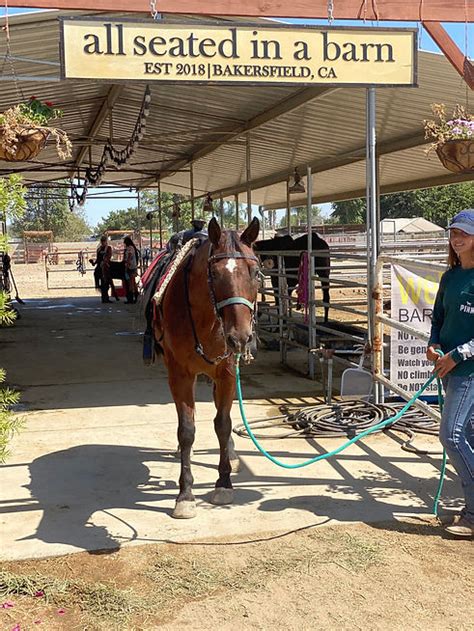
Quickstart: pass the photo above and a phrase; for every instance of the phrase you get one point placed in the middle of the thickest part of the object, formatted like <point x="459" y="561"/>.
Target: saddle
<point x="156" y="279"/>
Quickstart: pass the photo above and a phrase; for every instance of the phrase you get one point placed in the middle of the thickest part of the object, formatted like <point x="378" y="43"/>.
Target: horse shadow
<point x="86" y="493"/>
<point x="75" y="485"/>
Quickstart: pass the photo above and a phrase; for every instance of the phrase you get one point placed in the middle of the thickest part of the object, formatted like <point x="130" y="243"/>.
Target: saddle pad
<point x="149" y="273"/>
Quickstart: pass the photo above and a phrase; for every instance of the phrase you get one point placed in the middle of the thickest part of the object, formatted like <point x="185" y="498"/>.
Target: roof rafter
<point x="386" y="189"/>
<point x="107" y="105"/>
<point x="327" y="164"/>
<point x="404" y="10"/>
<point x="287" y="105"/>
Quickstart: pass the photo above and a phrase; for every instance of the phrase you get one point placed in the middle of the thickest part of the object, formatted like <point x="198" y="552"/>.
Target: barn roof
<point x="207" y="126"/>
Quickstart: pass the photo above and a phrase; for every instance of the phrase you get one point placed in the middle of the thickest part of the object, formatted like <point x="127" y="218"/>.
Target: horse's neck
<point x="199" y="290"/>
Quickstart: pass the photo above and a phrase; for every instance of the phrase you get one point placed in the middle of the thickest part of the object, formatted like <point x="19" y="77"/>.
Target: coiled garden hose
<point x="356" y="420"/>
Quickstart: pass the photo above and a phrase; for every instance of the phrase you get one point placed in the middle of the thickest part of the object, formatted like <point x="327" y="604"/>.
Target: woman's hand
<point x="431" y="353"/>
<point x="444" y="365"/>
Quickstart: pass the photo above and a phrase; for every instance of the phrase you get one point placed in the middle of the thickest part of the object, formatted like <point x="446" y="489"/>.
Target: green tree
<point x="12" y="204"/>
<point x="76" y="227"/>
<point x="46" y="209"/>
<point x="440" y="203"/>
<point x="436" y="204"/>
<point x="348" y="211"/>
<point x="299" y="216"/>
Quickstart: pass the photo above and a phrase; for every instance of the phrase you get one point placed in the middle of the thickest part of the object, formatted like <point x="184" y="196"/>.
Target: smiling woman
<point x="452" y="332"/>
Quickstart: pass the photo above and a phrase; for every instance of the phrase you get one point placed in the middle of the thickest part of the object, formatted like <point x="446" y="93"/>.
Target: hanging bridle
<point x="217" y="306"/>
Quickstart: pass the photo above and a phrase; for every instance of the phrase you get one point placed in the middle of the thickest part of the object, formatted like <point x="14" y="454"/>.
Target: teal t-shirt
<point x="452" y="325"/>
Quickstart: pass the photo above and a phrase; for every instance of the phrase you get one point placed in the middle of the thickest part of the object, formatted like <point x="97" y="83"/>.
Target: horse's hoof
<point x="185" y="509"/>
<point x="235" y="465"/>
<point x="222" y="496"/>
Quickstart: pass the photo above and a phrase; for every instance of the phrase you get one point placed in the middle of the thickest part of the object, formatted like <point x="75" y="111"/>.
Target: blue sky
<point x="462" y="34"/>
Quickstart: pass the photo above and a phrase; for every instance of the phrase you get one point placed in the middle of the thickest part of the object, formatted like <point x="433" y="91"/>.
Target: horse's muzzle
<point x="237" y="343"/>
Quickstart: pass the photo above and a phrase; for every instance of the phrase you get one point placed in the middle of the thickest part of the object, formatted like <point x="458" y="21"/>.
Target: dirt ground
<point x="379" y="575"/>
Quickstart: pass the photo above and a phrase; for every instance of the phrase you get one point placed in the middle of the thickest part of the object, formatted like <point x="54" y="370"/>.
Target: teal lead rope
<point x="329" y="454"/>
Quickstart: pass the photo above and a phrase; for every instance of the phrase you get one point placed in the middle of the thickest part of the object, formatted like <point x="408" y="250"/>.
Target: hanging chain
<point x="466" y="51"/>
<point x="8" y="56"/>
<point x="330" y="11"/>
<point x="155" y="14"/>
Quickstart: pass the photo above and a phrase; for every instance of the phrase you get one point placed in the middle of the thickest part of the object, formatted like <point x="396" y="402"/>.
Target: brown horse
<point x="206" y="317"/>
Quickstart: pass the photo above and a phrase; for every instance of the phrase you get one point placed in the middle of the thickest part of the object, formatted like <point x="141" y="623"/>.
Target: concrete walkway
<point x="94" y="467"/>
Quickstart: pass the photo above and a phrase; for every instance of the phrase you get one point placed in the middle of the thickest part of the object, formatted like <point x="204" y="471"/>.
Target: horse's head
<point x="234" y="279"/>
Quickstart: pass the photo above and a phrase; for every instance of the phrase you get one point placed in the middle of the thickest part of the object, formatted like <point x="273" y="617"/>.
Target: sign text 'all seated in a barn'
<point x="104" y="49"/>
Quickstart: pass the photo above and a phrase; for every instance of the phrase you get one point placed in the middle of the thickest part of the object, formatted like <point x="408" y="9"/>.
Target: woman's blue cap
<point x="463" y="221"/>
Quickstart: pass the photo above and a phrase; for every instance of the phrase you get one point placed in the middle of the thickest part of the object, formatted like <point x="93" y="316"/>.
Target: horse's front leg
<point x="182" y="389"/>
<point x="224" y="391"/>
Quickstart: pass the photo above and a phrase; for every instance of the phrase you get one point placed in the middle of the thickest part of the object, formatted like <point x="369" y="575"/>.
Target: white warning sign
<point x="413" y="295"/>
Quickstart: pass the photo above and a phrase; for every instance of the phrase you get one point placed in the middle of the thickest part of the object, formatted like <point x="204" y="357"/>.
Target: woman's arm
<point x="108" y="255"/>
<point x="463" y="352"/>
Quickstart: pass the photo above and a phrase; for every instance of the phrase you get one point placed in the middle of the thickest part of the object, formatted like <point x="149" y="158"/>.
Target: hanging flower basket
<point x="453" y="138"/>
<point x="29" y="142"/>
<point x="457" y="155"/>
<point x="24" y="131"/>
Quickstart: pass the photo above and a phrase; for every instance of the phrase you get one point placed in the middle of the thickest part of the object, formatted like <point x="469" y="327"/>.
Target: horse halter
<point x="234" y="300"/>
<point x="217" y="305"/>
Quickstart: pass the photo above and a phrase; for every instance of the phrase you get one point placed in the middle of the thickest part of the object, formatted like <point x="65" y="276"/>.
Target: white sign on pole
<point x="413" y="295"/>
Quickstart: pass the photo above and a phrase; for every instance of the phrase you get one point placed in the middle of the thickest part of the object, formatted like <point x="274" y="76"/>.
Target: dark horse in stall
<point x="322" y="260"/>
<point x="205" y="318"/>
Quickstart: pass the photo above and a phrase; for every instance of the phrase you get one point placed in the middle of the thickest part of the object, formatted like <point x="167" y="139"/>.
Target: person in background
<point x="102" y="270"/>
<point x="180" y="238"/>
<point x="130" y="259"/>
<point x="452" y="332"/>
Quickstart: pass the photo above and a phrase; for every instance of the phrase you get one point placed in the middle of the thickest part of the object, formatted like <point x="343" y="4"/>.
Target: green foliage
<point x="7" y="314"/>
<point x="48" y="209"/>
<point x="460" y="126"/>
<point x="299" y="216"/>
<point x="125" y="219"/>
<point x="39" y="112"/>
<point x="12" y="202"/>
<point x="9" y="422"/>
<point x="436" y="204"/>
<point x="349" y="211"/>
<point x="176" y="214"/>
<point x="75" y="227"/>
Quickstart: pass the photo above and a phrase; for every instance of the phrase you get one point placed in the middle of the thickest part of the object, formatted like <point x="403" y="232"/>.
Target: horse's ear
<point x="214" y="231"/>
<point x="250" y="234"/>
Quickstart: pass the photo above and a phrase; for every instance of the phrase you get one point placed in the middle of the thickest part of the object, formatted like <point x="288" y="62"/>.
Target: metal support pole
<point x="311" y="294"/>
<point x="236" y="197"/>
<point x="288" y="206"/>
<point x="249" y="175"/>
<point x="160" y="215"/>
<point x="377" y="348"/>
<point x="191" y="188"/>
<point x="282" y="310"/>
<point x="139" y="227"/>
<point x="261" y="211"/>
<point x="150" y="219"/>
<point x="221" y="210"/>
<point x="372" y="224"/>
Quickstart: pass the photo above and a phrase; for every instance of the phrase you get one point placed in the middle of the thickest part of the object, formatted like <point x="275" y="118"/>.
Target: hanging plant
<point x="24" y="131"/>
<point x="453" y="138"/>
